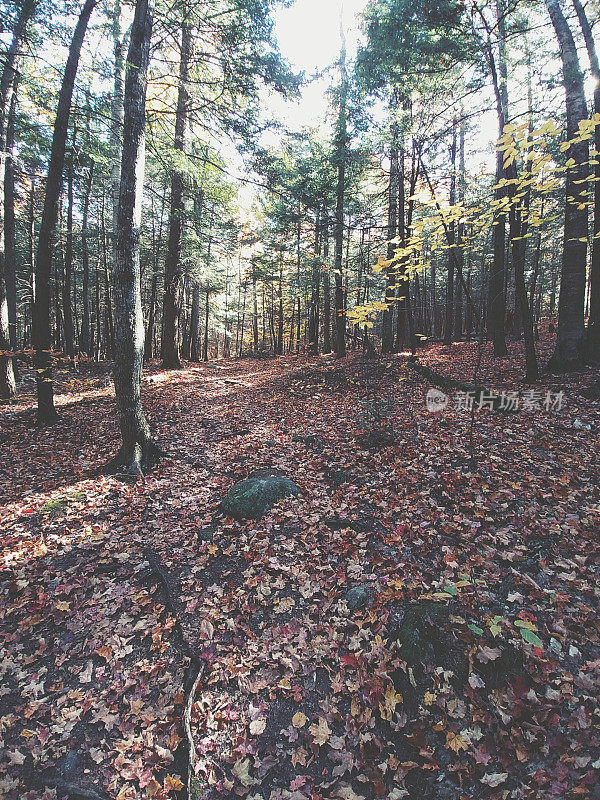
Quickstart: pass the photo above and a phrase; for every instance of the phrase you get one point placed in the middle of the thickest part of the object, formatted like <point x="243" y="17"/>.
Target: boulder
<point x="256" y="496"/>
<point x="359" y="596"/>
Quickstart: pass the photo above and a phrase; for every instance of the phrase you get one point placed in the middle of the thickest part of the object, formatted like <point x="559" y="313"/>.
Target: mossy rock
<point x="256" y="496"/>
<point x="59" y="504"/>
<point x="359" y="596"/>
<point x="424" y="642"/>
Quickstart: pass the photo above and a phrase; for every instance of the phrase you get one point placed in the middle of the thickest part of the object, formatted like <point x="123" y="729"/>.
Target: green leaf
<point x="475" y="628"/>
<point x="531" y="637"/>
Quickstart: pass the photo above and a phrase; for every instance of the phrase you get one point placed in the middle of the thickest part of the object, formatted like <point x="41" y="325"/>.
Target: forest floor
<point x="422" y="621"/>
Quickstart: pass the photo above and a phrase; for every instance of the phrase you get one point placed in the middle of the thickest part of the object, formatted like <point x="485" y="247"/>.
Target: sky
<point x="308" y="33"/>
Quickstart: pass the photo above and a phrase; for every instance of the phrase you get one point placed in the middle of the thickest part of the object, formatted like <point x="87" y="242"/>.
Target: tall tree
<point x="137" y="452"/>
<point x="8" y="82"/>
<point x="496" y="307"/>
<point x="170" y="333"/>
<point x="593" y="330"/>
<point x="452" y="252"/>
<point x="341" y="146"/>
<point x="46" y="413"/>
<point x="387" y="333"/>
<point x="569" y="353"/>
<point x="85" y="345"/>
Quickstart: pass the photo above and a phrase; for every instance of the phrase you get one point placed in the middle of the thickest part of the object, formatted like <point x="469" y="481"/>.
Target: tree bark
<point x="206" y="316"/>
<point x="86" y="329"/>
<point x="315" y="284"/>
<point x="453" y="250"/>
<point x="340" y="159"/>
<point x="10" y="229"/>
<point x="387" y="329"/>
<point x="593" y="329"/>
<point x="519" y="224"/>
<point x="170" y="334"/>
<point x="116" y="122"/>
<point x="460" y="233"/>
<point x="8" y="84"/>
<point x="496" y="314"/>
<point x="137" y="452"/>
<point x="67" y="306"/>
<point x="326" y="290"/>
<point x="569" y="353"/>
<point x="46" y="412"/>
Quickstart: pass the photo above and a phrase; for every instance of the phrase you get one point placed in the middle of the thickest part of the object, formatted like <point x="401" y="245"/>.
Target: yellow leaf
<point x="391" y="700"/>
<point x="454" y="741"/>
<point x="320" y="731"/>
<point x="299" y="720"/>
<point x="429" y="698"/>
<point x="173" y="783"/>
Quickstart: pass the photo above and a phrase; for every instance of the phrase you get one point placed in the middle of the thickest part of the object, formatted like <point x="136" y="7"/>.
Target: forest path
<point x="412" y="622"/>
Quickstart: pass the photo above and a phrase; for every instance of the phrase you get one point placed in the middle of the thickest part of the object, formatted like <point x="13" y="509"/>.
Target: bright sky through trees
<point x="308" y="33"/>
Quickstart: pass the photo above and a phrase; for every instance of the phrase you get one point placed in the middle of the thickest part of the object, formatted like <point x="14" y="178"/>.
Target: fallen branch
<point x="480" y="394"/>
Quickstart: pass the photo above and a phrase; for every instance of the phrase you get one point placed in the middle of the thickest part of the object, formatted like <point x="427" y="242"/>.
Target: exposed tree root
<point x="194" y="673"/>
<point x="132" y="466"/>
<point x="479" y="393"/>
<point x="76" y="792"/>
<point x="71" y="789"/>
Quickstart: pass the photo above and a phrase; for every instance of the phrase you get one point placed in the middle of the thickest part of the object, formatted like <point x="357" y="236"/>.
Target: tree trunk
<point x="86" y="333"/>
<point x="387" y="329"/>
<point x="496" y="294"/>
<point x="137" y="451"/>
<point x="206" y="315"/>
<point x="46" y="412"/>
<point x="8" y="84"/>
<point x="68" y="273"/>
<point x="462" y="185"/>
<point x="326" y="290"/>
<point x="9" y="228"/>
<point x="340" y="160"/>
<point x="569" y="353"/>
<point x="195" y="324"/>
<point x="116" y="121"/>
<point x="315" y="282"/>
<point x="593" y="329"/>
<point x="452" y="249"/>
<point x="519" y="223"/>
<point x="170" y="334"/>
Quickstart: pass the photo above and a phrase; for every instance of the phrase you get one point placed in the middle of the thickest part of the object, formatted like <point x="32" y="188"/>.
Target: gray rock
<point x="256" y="496"/>
<point x="359" y="596"/>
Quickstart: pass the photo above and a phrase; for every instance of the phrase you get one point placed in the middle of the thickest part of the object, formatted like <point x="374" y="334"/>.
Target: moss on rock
<point x="256" y="496"/>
